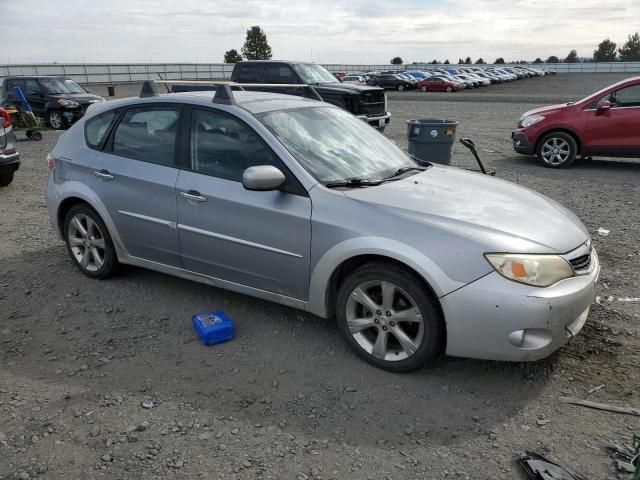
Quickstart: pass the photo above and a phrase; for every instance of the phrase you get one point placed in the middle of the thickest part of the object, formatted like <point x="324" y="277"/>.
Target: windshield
<point x="335" y="146"/>
<point x="56" y="85"/>
<point x="312" y="74"/>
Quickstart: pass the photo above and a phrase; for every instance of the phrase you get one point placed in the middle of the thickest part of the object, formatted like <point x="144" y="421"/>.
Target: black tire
<point x="401" y="87"/>
<point x="55" y="119"/>
<point x="431" y="344"/>
<point x="110" y="260"/>
<point x="563" y="160"/>
<point x="6" y="179"/>
<point x="449" y="89"/>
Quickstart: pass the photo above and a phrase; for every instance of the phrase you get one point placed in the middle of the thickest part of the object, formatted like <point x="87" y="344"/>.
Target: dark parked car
<point x="606" y="123"/>
<point x="392" y="81"/>
<point x="368" y="103"/>
<point x="9" y="157"/>
<point x="59" y="100"/>
<point x="438" y="84"/>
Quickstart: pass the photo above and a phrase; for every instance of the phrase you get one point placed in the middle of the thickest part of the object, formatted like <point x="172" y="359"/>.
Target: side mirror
<point x="262" y="178"/>
<point x="603" y="106"/>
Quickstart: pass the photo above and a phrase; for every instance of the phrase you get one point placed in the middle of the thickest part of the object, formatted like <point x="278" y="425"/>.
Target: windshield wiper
<point x="354" y="182"/>
<point x="402" y="171"/>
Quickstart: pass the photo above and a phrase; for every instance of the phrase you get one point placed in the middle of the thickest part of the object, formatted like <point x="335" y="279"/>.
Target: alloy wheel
<point x="556" y="151"/>
<point x="86" y="242"/>
<point x="55" y="120"/>
<point x="385" y="320"/>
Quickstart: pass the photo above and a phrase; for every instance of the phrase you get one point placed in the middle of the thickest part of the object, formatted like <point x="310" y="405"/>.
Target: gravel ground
<point x="80" y="359"/>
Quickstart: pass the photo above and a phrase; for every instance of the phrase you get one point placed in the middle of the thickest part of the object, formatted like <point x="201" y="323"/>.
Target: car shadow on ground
<point x="284" y="367"/>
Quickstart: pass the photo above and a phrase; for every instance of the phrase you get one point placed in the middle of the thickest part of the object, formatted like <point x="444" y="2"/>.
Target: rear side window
<point x="148" y="134"/>
<point x="96" y="128"/>
<point x="249" y="73"/>
<point x="223" y="147"/>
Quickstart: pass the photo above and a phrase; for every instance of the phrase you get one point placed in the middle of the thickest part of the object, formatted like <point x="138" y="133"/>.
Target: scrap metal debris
<point x="601" y="406"/>
<point x="603" y="232"/>
<point x="539" y="468"/>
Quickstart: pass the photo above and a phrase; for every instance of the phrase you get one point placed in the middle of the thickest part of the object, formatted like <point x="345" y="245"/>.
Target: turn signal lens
<point x="537" y="270"/>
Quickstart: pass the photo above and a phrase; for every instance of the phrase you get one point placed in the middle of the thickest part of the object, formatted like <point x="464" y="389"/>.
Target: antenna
<point x="149" y="89"/>
<point x="224" y="95"/>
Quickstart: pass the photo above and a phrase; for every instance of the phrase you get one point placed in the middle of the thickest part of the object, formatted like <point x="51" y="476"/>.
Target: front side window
<point x="55" y="86"/>
<point x="96" y="128"/>
<point x="335" y="146"/>
<point x="32" y="87"/>
<point x="224" y="147"/>
<point x="280" y="74"/>
<point x="148" y="134"/>
<point x="626" y="97"/>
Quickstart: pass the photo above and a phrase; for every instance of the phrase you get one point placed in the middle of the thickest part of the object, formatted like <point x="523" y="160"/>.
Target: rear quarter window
<point x="96" y="128"/>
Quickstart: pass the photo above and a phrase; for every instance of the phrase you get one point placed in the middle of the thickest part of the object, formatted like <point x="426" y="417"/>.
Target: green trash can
<point x="431" y="140"/>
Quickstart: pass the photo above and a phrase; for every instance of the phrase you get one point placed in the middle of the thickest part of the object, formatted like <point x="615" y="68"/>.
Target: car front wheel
<point x="6" y="179"/>
<point x="89" y="243"/>
<point x="449" y="89"/>
<point x="557" y="150"/>
<point x="55" y="119"/>
<point x="388" y="317"/>
<point x="424" y="88"/>
<point x="400" y="88"/>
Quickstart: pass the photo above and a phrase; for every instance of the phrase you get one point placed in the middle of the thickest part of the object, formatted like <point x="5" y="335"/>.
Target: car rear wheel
<point x="557" y="150"/>
<point x="388" y="318"/>
<point x="89" y="243"/>
<point x="424" y="88"/>
<point x="55" y="119"/>
<point x="6" y="179"/>
<point x="449" y="89"/>
<point x="400" y="88"/>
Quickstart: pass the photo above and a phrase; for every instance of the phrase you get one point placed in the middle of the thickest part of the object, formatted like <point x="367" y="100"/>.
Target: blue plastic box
<point x="213" y="327"/>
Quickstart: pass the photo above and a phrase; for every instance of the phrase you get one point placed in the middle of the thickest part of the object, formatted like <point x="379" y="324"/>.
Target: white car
<point x="354" y="79"/>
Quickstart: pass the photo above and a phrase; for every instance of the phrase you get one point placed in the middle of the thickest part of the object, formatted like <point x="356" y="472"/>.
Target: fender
<point x="83" y="192"/>
<point x="401" y="252"/>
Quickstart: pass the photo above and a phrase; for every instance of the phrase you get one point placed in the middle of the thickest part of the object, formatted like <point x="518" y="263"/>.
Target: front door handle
<point x="193" y="195"/>
<point x="103" y="174"/>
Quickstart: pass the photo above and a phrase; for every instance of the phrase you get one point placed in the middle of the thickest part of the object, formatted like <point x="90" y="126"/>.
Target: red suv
<point x="606" y="123"/>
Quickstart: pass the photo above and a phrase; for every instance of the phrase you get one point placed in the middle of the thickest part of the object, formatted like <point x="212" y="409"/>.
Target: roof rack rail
<point x="223" y="92"/>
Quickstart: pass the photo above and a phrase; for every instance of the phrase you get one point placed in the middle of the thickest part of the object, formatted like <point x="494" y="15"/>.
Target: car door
<point x="256" y="239"/>
<point x="135" y="177"/>
<point x="616" y="130"/>
<point x="35" y="96"/>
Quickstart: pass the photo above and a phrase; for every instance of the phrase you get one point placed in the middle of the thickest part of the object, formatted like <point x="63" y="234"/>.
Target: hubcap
<point x="86" y="242"/>
<point x="384" y="320"/>
<point x="55" y="119"/>
<point x="555" y="151"/>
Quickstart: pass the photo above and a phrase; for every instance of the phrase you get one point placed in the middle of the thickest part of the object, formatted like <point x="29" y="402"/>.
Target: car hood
<point x="347" y="87"/>
<point x="503" y="215"/>
<point x="81" y="98"/>
<point x="548" y="109"/>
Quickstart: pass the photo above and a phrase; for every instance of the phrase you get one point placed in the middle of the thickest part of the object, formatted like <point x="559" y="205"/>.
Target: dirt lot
<point x="287" y="398"/>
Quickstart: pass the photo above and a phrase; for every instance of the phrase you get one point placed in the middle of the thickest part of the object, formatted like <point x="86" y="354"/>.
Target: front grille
<point x="581" y="263"/>
<point x="373" y="103"/>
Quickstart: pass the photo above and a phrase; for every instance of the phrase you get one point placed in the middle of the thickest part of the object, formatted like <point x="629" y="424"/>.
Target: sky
<point x="323" y="31"/>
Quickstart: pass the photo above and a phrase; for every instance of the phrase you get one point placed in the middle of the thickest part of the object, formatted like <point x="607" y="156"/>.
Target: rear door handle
<point x="103" y="174"/>
<point x="193" y="195"/>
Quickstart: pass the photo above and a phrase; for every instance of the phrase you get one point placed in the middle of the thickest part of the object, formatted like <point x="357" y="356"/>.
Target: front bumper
<point x="9" y="162"/>
<point x="496" y="319"/>
<point x="377" y="121"/>
<point x="521" y="143"/>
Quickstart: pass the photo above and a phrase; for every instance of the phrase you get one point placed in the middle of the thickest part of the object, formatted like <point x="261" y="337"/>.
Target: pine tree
<point x="255" y="46"/>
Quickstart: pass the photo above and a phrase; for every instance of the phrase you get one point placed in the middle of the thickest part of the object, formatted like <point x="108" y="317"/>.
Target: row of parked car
<point x="440" y="79"/>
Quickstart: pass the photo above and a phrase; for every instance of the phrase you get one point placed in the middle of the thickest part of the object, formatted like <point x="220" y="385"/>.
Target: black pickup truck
<point x="368" y="103"/>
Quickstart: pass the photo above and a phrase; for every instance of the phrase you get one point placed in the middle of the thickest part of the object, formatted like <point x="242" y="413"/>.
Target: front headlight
<point x="537" y="270"/>
<point x="68" y="103"/>
<point x="532" y="119"/>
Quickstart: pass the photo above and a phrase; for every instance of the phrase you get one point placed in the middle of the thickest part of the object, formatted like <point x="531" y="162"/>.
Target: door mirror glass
<point x="262" y="178"/>
<point x="603" y="105"/>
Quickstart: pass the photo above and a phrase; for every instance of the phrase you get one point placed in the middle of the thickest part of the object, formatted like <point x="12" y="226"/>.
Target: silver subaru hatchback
<point x="298" y="202"/>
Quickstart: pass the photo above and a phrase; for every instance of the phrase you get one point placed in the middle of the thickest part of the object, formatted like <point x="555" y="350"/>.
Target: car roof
<point x="253" y="102"/>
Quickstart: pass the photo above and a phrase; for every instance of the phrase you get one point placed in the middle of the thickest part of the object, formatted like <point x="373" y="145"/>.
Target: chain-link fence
<point x="115" y="73"/>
